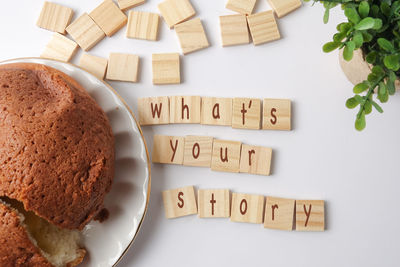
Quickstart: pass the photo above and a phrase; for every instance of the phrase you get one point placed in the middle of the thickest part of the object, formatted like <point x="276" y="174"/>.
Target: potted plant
<point x="370" y="41"/>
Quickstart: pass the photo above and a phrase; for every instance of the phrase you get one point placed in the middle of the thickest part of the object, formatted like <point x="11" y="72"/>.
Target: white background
<point x="322" y="158"/>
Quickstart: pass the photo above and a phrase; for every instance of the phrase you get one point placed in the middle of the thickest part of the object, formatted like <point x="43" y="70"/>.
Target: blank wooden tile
<point x="279" y="213"/>
<point x="310" y="215"/>
<point x="191" y="35"/>
<point x="244" y="7"/>
<point x="166" y="68"/>
<point x="179" y="202"/>
<point x="247" y="208"/>
<point x="277" y="114"/>
<point x="153" y="110"/>
<point x="123" y="67"/>
<point x="168" y="149"/>
<point x="234" y="30"/>
<point x="284" y="7"/>
<point x="263" y="27"/>
<point x="142" y="25"/>
<point x="255" y="160"/>
<point x="176" y="11"/>
<point x="184" y="109"/>
<point x="246" y="113"/>
<point x="96" y="65"/>
<point x="109" y="17"/>
<point x="198" y="151"/>
<point x="126" y="4"/>
<point x="226" y="156"/>
<point x="214" y="203"/>
<point x="85" y="32"/>
<point x="216" y="111"/>
<point x="54" y="17"/>
<point x="60" y="48"/>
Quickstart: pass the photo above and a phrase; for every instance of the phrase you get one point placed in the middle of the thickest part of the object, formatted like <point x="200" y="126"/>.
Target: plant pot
<point x="357" y="69"/>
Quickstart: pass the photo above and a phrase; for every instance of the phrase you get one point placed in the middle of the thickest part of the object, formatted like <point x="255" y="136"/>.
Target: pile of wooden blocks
<point x="275" y="213"/>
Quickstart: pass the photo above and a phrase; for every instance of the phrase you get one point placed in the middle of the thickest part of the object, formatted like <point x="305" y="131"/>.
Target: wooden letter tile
<point x="166" y="68"/>
<point x="153" y="110"/>
<point x="85" y="32"/>
<point x="263" y="27"/>
<point x="214" y="203"/>
<point x="109" y="17"/>
<point x="168" y="149"/>
<point x="54" y="17"/>
<point x="123" y="67"/>
<point x="191" y="35"/>
<point x="126" y="4"/>
<point x="255" y="160"/>
<point x="244" y="7"/>
<point x="216" y="111"/>
<point x="246" y="113"/>
<point x="247" y="208"/>
<point x="226" y="156"/>
<point x="60" y="48"/>
<point x="142" y="25"/>
<point x="310" y="215"/>
<point x="179" y="202"/>
<point x="96" y="65"/>
<point x="277" y="114"/>
<point x="198" y="151"/>
<point x="279" y="213"/>
<point x="234" y="30"/>
<point x="283" y="7"/>
<point x="176" y="11"/>
<point x="184" y="109"/>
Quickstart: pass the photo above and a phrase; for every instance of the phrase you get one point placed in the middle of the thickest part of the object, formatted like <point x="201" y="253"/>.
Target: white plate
<point x="127" y="201"/>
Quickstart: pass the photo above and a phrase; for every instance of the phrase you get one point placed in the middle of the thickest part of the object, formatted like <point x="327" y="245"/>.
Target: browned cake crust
<point x="16" y="247"/>
<point x="56" y="145"/>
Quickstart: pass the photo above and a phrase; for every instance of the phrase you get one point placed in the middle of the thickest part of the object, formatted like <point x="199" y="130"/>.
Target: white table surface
<point x="322" y="158"/>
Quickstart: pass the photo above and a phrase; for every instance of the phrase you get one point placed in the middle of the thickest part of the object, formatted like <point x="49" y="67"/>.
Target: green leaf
<point x="375" y="10"/>
<point x="377" y="107"/>
<point x="365" y="24"/>
<point x="373" y="78"/>
<point x="391" y="83"/>
<point x="326" y="15"/>
<point x="358" y="39"/>
<point x="383" y="94"/>
<point x="378" y="70"/>
<point x="351" y="103"/>
<point x="385" y="44"/>
<point x="385" y="8"/>
<point x="378" y="24"/>
<point x="348" y="50"/>
<point x="328" y="47"/>
<point x="392" y="62"/>
<point x="338" y="37"/>
<point x="344" y="27"/>
<point x="352" y="15"/>
<point x="363" y="9"/>
<point x="367" y="37"/>
<point x="360" y="122"/>
<point x="371" y="57"/>
<point x="368" y="107"/>
<point x="361" y="87"/>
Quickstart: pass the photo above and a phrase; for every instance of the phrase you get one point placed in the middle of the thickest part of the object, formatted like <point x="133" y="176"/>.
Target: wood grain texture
<point x="255" y="160"/>
<point x="216" y="111"/>
<point x="96" y="65"/>
<point x="246" y="113"/>
<point x="85" y="32"/>
<point x="226" y="156"/>
<point x="185" y="109"/>
<point x="244" y="7"/>
<point x="54" y="17"/>
<point x="109" y="17"/>
<point x="310" y="215"/>
<point x="263" y="27"/>
<point x="284" y="7"/>
<point x="179" y="202"/>
<point x="123" y="67"/>
<point x="279" y="213"/>
<point x="247" y="208"/>
<point x="191" y="35"/>
<point x="166" y="68"/>
<point x="168" y="149"/>
<point x="277" y="114"/>
<point x="142" y="25"/>
<point x="234" y="30"/>
<point x="214" y="203"/>
<point x="127" y="4"/>
<point x="153" y="110"/>
<point x="60" y="48"/>
<point x="176" y="11"/>
<point x="198" y="150"/>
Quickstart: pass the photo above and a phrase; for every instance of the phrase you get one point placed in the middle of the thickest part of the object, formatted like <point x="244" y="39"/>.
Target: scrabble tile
<point x="127" y="4"/>
<point x="247" y="208"/>
<point x="310" y="215"/>
<point x="176" y="11"/>
<point x="191" y="35"/>
<point x="142" y="25"/>
<point x="179" y="202"/>
<point x="234" y="30"/>
<point x="96" y="65"/>
<point x="244" y="7"/>
<point x="216" y="111"/>
<point x="60" y="48"/>
<point x="255" y="160"/>
<point x="153" y="110"/>
<point x="85" y="32"/>
<point x="168" y="149"/>
<point x="166" y="68"/>
<point x="284" y="7"/>
<point x="109" y="17"/>
<point x="246" y="113"/>
<point x="123" y="67"/>
<point x="226" y="156"/>
<point x="263" y="27"/>
<point x="54" y="17"/>
<point x="198" y="151"/>
<point x="279" y="213"/>
<point x="214" y="203"/>
<point x="277" y="114"/>
<point x="184" y="109"/>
